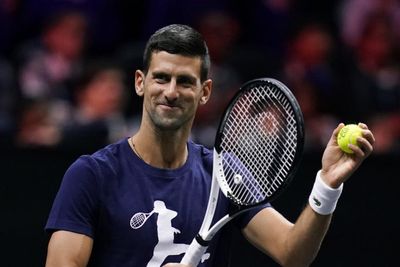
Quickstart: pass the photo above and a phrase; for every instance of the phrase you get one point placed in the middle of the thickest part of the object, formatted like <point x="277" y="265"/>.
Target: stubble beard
<point x="168" y="123"/>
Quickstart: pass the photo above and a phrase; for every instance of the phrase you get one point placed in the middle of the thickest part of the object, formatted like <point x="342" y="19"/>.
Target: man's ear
<point x="207" y="88"/>
<point x="139" y="82"/>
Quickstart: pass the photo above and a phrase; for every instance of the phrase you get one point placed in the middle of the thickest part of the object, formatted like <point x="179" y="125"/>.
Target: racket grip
<point x="194" y="252"/>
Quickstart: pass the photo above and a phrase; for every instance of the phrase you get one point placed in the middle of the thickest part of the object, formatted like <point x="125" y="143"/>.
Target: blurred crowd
<point x="67" y="66"/>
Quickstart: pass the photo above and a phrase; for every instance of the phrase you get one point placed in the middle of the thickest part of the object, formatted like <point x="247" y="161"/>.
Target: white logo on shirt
<point x="165" y="246"/>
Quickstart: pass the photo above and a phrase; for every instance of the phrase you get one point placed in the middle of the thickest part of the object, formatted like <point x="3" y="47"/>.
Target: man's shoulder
<point x="201" y="153"/>
<point x="106" y="157"/>
<point x="114" y="150"/>
<point x="200" y="150"/>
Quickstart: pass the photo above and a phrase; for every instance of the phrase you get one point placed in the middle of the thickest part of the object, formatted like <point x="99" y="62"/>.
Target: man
<point x="140" y="202"/>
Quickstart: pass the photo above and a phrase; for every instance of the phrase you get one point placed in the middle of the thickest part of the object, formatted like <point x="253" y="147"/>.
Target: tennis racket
<point x="257" y="151"/>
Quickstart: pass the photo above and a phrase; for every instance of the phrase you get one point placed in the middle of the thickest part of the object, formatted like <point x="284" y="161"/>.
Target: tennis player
<point x="141" y="201"/>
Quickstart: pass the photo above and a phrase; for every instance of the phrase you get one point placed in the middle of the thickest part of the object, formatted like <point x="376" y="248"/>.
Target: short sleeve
<point x="77" y="201"/>
<point x="242" y="220"/>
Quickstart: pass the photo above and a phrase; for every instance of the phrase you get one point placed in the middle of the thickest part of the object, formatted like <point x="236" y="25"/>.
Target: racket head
<point x="259" y="143"/>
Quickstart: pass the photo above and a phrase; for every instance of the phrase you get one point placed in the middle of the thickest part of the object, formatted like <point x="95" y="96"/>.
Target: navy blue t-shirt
<point x="137" y="215"/>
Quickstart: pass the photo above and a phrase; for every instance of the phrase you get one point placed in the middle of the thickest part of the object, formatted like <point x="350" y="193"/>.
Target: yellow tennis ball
<point x="348" y="135"/>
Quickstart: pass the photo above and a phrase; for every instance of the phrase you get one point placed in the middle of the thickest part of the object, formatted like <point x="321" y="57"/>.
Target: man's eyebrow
<point x="160" y="74"/>
<point x="182" y="78"/>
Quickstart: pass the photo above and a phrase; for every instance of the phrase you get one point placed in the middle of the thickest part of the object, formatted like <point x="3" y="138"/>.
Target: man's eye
<point x="186" y="83"/>
<point x="161" y="78"/>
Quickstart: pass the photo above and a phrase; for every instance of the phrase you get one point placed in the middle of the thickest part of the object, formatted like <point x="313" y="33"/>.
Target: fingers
<point x="366" y="133"/>
<point x="365" y="143"/>
<point x="358" y="151"/>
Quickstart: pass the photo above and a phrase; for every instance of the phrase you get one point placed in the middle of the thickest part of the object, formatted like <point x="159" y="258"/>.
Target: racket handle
<point x="194" y="252"/>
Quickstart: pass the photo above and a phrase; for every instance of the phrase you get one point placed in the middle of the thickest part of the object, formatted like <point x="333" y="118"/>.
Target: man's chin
<point x="168" y="124"/>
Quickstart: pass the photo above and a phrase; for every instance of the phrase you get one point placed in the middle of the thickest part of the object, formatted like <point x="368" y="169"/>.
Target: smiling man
<point x="141" y="201"/>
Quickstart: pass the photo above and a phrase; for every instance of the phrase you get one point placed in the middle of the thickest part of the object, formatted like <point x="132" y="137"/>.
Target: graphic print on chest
<point x="165" y="232"/>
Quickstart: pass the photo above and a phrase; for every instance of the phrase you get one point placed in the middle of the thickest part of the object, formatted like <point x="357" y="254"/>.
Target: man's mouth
<point x="167" y="106"/>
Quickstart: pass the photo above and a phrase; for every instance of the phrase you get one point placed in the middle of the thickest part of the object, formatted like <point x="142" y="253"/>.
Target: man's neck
<point x="165" y="150"/>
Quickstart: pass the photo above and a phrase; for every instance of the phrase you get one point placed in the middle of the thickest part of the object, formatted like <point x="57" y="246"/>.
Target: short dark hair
<point x="178" y="39"/>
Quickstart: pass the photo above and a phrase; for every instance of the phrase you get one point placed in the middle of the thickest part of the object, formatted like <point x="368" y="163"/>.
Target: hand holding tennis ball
<point x="348" y="135"/>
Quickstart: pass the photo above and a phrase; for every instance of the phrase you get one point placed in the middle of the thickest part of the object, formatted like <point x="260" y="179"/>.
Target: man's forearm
<point x="306" y="236"/>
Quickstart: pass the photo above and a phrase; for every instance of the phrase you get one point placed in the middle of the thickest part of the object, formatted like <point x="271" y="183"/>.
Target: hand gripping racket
<point x="257" y="151"/>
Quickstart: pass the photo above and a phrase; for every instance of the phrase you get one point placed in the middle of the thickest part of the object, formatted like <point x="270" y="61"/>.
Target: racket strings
<point x="259" y="144"/>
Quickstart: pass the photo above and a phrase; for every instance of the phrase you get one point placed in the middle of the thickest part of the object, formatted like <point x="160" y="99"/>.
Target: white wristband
<point x="323" y="198"/>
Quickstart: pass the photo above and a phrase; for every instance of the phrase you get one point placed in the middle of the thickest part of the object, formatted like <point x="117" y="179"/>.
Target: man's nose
<point x="171" y="92"/>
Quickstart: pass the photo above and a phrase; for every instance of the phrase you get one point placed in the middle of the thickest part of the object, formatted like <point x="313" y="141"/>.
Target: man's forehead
<point x="167" y="62"/>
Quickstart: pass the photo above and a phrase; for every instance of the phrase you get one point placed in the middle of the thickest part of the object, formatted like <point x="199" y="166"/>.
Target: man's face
<point x="172" y="90"/>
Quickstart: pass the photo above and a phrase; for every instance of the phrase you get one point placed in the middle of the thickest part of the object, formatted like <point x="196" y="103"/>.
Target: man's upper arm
<point x="268" y="231"/>
<point x="68" y="249"/>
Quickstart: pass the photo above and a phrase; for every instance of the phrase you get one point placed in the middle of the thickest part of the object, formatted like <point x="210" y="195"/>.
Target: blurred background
<point x="66" y="89"/>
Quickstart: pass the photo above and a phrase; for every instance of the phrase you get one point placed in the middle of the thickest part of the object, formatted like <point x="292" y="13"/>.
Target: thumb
<point x="335" y="133"/>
